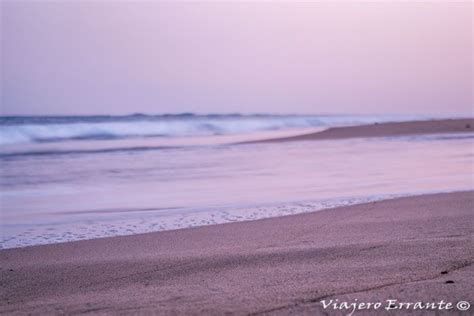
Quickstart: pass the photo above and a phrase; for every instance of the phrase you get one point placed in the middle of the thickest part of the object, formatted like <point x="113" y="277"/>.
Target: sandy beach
<point x="412" y="249"/>
<point x="391" y="129"/>
<point x="236" y="158"/>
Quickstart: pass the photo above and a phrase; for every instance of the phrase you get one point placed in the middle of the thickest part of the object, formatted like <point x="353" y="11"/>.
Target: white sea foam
<point x="37" y="129"/>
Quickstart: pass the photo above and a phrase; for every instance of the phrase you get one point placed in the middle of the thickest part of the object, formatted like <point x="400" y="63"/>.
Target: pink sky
<point x="110" y="57"/>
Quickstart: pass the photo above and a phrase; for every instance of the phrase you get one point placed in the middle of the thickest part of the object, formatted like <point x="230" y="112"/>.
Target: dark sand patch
<point x="384" y="130"/>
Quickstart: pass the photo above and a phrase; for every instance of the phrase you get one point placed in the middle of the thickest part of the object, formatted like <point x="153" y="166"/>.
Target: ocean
<point x="67" y="178"/>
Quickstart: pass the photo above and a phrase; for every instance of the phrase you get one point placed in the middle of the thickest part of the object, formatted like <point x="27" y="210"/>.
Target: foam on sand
<point x="406" y="248"/>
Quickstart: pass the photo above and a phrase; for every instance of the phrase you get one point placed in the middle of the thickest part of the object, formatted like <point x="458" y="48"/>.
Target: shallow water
<point x="59" y="197"/>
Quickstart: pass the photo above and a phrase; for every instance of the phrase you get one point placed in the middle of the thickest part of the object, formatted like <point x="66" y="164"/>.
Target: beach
<point x="236" y="158"/>
<point x="393" y="239"/>
<point x="411" y="249"/>
<point x="388" y="129"/>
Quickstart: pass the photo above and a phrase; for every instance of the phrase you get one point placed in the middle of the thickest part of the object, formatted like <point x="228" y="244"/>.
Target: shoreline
<point x="392" y="248"/>
<point x="228" y="215"/>
<point x="389" y="129"/>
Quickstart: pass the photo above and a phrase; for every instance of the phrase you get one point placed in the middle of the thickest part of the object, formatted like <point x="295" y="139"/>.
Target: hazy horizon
<point x="178" y="114"/>
<point x="327" y="58"/>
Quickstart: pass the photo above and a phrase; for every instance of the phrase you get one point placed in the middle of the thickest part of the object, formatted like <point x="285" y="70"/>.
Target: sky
<point x="339" y="57"/>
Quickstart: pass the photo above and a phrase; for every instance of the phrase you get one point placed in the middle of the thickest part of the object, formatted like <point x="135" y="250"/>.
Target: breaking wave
<point x="34" y="129"/>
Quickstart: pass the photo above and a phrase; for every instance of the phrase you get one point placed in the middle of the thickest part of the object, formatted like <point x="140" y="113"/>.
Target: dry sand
<point x="385" y="130"/>
<point x="404" y="248"/>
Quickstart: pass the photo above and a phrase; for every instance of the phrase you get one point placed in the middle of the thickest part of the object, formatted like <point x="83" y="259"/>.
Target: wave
<point x="36" y="129"/>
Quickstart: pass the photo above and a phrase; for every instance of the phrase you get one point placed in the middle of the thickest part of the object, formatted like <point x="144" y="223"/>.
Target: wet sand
<point x="406" y="248"/>
<point x="385" y="130"/>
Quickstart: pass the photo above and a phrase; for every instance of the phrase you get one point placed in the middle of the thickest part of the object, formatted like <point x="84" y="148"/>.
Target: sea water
<point x="72" y="178"/>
